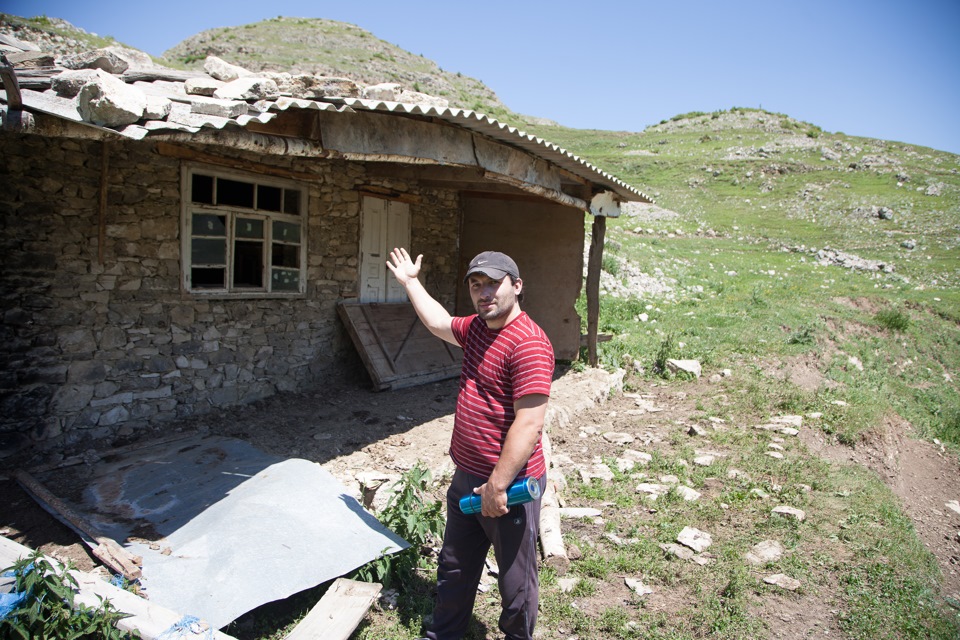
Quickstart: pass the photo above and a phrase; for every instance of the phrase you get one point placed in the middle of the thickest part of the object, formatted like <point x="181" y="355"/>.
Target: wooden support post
<point x="104" y="548"/>
<point x="594" y="264"/>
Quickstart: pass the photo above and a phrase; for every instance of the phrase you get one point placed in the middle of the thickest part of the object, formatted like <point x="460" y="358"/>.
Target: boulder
<point x="157" y="108"/>
<point x="109" y="102"/>
<point x="68" y="83"/>
<point x="223" y="70"/>
<point x="203" y="86"/>
<point x="248" y="88"/>
<point x="106" y="59"/>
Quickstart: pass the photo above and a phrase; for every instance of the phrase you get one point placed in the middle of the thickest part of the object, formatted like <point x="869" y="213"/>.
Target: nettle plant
<point x="412" y="516"/>
<point x="49" y="610"/>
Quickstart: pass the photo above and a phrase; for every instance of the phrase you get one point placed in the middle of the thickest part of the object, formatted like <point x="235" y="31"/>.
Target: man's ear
<point x="518" y="286"/>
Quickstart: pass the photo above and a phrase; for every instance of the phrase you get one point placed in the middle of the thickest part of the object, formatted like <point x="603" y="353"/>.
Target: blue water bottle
<point x="523" y="490"/>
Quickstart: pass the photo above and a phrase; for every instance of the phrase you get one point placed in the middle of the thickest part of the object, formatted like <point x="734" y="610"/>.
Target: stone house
<point x="176" y="242"/>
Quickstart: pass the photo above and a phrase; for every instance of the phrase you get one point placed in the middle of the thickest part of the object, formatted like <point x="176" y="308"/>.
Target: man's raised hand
<point x="404" y="269"/>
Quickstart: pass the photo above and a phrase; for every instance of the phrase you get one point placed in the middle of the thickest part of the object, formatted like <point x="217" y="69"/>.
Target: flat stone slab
<point x="695" y="539"/>
<point x="783" y="581"/>
<point x="636" y="585"/>
<point x="790" y="512"/>
<point x="764" y="552"/>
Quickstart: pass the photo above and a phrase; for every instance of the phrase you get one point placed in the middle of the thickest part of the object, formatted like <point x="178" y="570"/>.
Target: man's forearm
<point x="434" y="317"/>
<point x="520" y="443"/>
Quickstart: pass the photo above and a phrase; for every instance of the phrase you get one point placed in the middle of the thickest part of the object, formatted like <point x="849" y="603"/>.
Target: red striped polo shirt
<point x="499" y="367"/>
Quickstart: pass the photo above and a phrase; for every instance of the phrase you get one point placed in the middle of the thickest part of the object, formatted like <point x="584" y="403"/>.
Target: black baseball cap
<point x="494" y="265"/>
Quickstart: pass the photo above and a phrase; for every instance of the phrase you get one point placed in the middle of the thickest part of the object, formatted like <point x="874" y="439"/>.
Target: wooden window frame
<point x="231" y="214"/>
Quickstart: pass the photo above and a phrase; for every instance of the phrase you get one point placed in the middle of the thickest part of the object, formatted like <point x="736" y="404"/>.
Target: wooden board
<point x="339" y="611"/>
<point x="148" y="619"/>
<point x="396" y="349"/>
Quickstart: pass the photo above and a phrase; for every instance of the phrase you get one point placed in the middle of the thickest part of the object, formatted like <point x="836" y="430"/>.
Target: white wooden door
<point x="386" y="224"/>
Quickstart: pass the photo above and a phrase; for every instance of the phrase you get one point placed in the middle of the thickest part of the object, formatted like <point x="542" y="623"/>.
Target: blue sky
<point x="879" y="69"/>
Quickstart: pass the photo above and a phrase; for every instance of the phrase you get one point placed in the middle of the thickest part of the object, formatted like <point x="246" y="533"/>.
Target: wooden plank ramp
<point x="339" y="611"/>
<point x="146" y="618"/>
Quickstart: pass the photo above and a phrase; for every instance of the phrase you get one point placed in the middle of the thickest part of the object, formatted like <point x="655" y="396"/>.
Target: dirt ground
<point x="351" y="430"/>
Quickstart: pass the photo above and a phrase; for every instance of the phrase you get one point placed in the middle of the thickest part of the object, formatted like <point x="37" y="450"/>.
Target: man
<point x="504" y="386"/>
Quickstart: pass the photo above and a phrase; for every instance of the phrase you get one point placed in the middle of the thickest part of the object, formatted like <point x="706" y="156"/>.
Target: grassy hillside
<point x="759" y="197"/>
<point x="327" y="47"/>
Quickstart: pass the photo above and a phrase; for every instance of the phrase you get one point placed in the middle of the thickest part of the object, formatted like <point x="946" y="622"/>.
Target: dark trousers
<point x="466" y="540"/>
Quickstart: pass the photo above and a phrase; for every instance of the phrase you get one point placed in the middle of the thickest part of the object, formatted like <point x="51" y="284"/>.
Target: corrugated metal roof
<point x="481" y="123"/>
<point x="191" y="114"/>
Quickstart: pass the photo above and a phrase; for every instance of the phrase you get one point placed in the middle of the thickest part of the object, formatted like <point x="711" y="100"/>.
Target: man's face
<point x="494" y="300"/>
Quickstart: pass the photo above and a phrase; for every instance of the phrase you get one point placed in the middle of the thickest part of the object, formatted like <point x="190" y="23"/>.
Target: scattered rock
<point x="687" y="493"/>
<point x="954" y="506"/>
<point x="705" y="460"/>
<point x="567" y="584"/>
<point x="596" y="470"/>
<point x="783" y="581"/>
<point x="637" y="586"/>
<point x="616" y="437"/>
<point x="618" y="541"/>
<point x="677" y="550"/>
<point x="764" y="552"/>
<point x="639" y="457"/>
<point x="695" y="539"/>
<point x="790" y="512"/>
<point x="686" y="366"/>
<point x="696" y="430"/>
<point x="654" y="491"/>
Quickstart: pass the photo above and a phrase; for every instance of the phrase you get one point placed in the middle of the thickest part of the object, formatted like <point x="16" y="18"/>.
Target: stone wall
<point x="92" y="350"/>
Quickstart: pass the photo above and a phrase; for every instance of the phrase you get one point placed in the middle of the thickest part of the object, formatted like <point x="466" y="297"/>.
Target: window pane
<point x="248" y="264"/>
<point x="285" y="255"/>
<point x="202" y="189"/>
<point x="268" y="198"/>
<point x="201" y="278"/>
<point x="249" y="228"/>
<point x="234" y="193"/>
<point x="209" y="225"/>
<point x="291" y="201"/>
<point x="208" y="251"/>
<point x="285" y="280"/>
<point x="286" y="232"/>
